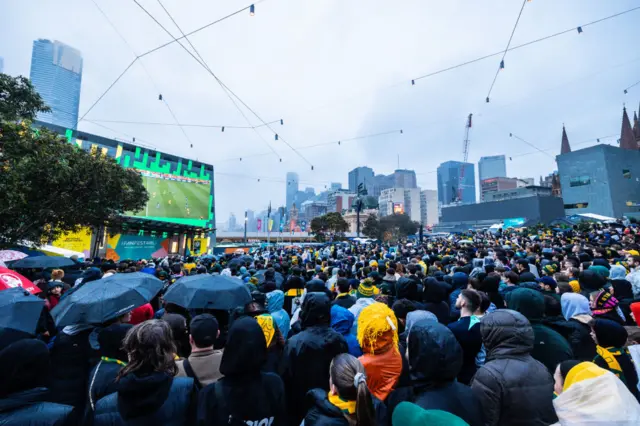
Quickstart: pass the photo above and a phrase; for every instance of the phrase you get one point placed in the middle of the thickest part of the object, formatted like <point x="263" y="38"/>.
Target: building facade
<point x="519" y="192"/>
<point x="56" y="74"/>
<point x="456" y="183"/>
<point x="1" y="64"/>
<point x="311" y="209"/>
<point x="340" y="200"/>
<point x="601" y="179"/>
<point x="335" y="186"/>
<point x="351" y="217"/>
<point x="429" y="207"/>
<point x="496" y="184"/>
<point x="360" y="175"/>
<point x="494" y="166"/>
<point x="292" y="189"/>
<point x="404" y="179"/>
<point x="399" y="201"/>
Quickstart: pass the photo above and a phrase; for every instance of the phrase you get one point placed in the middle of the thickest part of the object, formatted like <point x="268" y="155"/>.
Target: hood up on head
<point x="574" y="304"/>
<point x="315" y="310"/>
<point x="506" y="332"/>
<point x="275" y="301"/>
<point x="434" y="353"/>
<point x="246" y="349"/>
<point x="341" y="319"/>
<point x="529" y="303"/>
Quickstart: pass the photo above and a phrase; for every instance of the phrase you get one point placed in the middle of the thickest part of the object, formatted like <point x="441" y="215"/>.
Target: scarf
<point x="265" y="321"/>
<point x="347" y="407"/>
<point x="603" y="303"/>
<point x="609" y="356"/>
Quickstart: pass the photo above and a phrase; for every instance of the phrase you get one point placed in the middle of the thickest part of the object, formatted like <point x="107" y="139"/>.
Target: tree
<point x="371" y="227"/>
<point x="397" y="226"/>
<point x="330" y="225"/>
<point x="48" y="185"/>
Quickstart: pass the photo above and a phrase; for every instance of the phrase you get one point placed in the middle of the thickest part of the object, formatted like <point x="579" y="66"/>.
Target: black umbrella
<point x="43" y="262"/>
<point x="240" y="260"/>
<point x="19" y="310"/>
<point x="208" y="291"/>
<point x="278" y="278"/>
<point x="99" y="301"/>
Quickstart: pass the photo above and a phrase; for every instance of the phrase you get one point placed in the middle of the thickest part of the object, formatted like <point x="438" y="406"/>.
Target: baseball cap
<point x="548" y="281"/>
<point x="204" y="330"/>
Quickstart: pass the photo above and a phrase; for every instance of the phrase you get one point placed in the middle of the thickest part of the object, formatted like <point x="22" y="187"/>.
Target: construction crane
<point x="465" y="155"/>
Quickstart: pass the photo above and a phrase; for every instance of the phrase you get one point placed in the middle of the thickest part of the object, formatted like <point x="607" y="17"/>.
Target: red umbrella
<point x="11" y="279"/>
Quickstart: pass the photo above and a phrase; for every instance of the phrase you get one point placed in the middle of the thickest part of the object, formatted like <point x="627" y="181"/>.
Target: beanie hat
<point x="377" y="327"/>
<point x="575" y="286"/>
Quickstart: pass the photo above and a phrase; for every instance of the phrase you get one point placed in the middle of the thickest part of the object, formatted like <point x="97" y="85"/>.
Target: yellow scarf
<point x="265" y="322"/>
<point x="608" y="354"/>
<point x="347" y="407"/>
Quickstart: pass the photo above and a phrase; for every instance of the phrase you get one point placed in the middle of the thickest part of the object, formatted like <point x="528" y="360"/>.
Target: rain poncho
<point x="341" y="321"/>
<point x="594" y="396"/>
<point x="275" y="304"/>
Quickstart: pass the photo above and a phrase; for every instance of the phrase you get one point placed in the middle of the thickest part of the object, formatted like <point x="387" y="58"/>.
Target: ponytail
<point x="348" y="376"/>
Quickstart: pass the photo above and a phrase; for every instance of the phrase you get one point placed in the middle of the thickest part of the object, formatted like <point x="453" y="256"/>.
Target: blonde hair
<point x="57" y="274"/>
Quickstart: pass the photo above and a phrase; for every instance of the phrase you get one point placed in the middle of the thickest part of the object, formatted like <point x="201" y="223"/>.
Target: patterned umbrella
<point x="10" y="255"/>
<point x="12" y="279"/>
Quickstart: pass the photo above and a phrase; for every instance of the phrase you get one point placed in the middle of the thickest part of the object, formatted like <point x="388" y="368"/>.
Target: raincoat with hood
<point x="275" y="304"/>
<point x="435" y="360"/>
<point x="575" y="325"/>
<point x="24" y="368"/>
<point x="342" y="321"/>
<point x="307" y="356"/>
<point x="549" y="347"/>
<point x="593" y="396"/>
<point x="513" y="388"/>
<point x="245" y="395"/>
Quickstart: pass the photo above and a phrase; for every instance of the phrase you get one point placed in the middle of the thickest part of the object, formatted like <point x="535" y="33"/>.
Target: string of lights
<point x="630" y="87"/>
<point x="579" y="29"/>
<point x="213" y="126"/>
<point x="501" y="65"/>
<point x="220" y="82"/>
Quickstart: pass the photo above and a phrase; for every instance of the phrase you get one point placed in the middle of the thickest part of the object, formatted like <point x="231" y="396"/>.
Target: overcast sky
<point x="335" y="70"/>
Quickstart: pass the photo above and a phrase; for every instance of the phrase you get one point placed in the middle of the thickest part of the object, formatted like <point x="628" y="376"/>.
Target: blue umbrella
<point x="206" y="291"/>
<point x="19" y="310"/>
<point x="43" y="262"/>
<point x="99" y="301"/>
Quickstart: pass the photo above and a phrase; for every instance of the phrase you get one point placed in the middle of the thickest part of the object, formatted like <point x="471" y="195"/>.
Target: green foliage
<point x="330" y="225"/>
<point x="397" y="226"/>
<point x="371" y="228"/>
<point x="49" y="186"/>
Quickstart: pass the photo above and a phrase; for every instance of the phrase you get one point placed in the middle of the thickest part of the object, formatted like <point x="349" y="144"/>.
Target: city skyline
<point x="353" y="83"/>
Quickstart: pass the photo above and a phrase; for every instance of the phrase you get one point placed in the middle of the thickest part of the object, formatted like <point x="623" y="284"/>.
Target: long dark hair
<point x="150" y="348"/>
<point x="343" y="371"/>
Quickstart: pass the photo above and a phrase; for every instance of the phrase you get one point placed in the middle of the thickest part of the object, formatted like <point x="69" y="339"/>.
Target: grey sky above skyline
<point x="335" y="70"/>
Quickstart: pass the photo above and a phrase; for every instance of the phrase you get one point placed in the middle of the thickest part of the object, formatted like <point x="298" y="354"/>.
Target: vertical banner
<point x="303" y="226"/>
<point x="270" y="225"/>
<point x="259" y="226"/>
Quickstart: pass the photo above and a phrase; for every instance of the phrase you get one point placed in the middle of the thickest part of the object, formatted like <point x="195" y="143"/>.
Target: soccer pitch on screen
<point x="176" y="201"/>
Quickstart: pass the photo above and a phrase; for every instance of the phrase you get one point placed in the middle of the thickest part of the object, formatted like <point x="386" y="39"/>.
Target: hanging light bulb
<point x="191" y="145"/>
<point x="510" y="135"/>
<point x="281" y="122"/>
<point x="502" y="64"/>
<point x="401" y="131"/>
<point x="281" y="160"/>
<point x="252" y="10"/>
<point x="134" y="139"/>
<point x="223" y="128"/>
<point x="276" y="136"/>
<point x="240" y="158"/>
<point x="311" y="167"/>
<point x="625" y="91"/>
<point x="579" y="30"/>
<point x="487" y="99"/>
<point x="413" y="82"/>
<point x="338" y="142"/>
<point x="160" y="97"/>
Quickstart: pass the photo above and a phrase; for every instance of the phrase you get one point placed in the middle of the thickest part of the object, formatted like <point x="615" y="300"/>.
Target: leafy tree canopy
<point x="331" y="225"/>
<point x="371" y="228"/>
<point x="49" y="186"/>
<point x="397" y="226"/>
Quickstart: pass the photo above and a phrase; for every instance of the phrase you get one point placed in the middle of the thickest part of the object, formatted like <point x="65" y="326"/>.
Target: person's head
<point x="560" y="375"/>
<point x="111" y="340"/>
<point x="150" y="349"/>
<point x="57" y="275"/>
<point x="204" y="331"/>
<point x="343" y="285"/>
<point x="433" y="353"/>
<point x="246" y="349"/>
<point x="55" y="288"/>
<point x="571" y="372"/>
<point x="348" y="380"/>
<point x="468" y="302"/>
<point x="607" y="333"/>
<point x="522" y="265"/>
<point x="511" y="278"/>
<point x="505" y="333"/>
<point x="377" y="329"/>
<point x="547" y="283"/>
<point x="485" y="303"/>
<point x="401" y="308"/>
<point x="180" y="333"/>
<point x="315" y="310"/>
<point x="24" y="365"/>
<point x="410" y="414"/>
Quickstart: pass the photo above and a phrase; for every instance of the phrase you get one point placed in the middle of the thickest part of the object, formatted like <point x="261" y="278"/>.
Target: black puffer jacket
<point x="307" y="355"/>
<point x="323" y="412"/>
<point x="577" y="333"/>
<point x="435" y="360"/>
<point x="513" y="388"/>
<point x="29" y="408"/>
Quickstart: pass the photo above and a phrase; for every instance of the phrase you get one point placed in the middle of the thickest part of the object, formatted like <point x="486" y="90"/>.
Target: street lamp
<point x="245" y="226"/>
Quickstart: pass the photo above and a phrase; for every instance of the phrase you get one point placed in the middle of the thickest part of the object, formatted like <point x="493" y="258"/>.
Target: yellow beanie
<point x="575" y="286"/>
<point x="374" y="322"/>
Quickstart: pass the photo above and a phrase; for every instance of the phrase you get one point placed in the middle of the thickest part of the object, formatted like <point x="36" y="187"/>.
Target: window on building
<point x="576" y="206"/>
<point x="579" y="180"/>
<point x="626" y="173"/>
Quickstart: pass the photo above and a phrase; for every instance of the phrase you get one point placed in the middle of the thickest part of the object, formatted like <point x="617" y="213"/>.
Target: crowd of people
<point x="531" y="326"/>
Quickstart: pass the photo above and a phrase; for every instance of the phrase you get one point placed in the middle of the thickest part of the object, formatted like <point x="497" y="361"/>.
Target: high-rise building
<point x="336" y="186"/>
<point x="1" y="64"/>
<point x="340" y="200"/>
<point x="252" y="223"/>
<point x="380" y="183"/>
<point x="292" y="189"/>
<point x="429" y="207"/>
<point x="401" y="201"/>
<point x="456" y="183"/>
<point x="492" y="167"/>
<point x="404" y="179"/>
<point x="233" y="223"/>
<point x="56" y="73"/>
<point x="361" y="175"/>
<point x="496" y="184"/>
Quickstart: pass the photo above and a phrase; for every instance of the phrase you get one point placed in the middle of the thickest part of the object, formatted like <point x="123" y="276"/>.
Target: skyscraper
<point x="292" y="189"/>
<point x="56" y="73"/>
<point x="456" y="183"/>
<point x="1" y="64"/>
<point x="335" y="186"/>
<point x="405" y="179"/>
<point x="492" y="167"/>
<point x="361" y="175"/>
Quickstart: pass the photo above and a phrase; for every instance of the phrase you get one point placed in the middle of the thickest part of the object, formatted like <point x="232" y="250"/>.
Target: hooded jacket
<point x="575" y="325"/>
<point x="30" y="408"/>
<point x="513" y="388"/>
<point x="275" y="304"/>
<point x="435" y="299"/>
<point x="245" y="395"/>
<point x="342" y="321"/>
<point x="549" y="347"/>
<point x="306" y="357"/>
<point x="322" y="411"/>
<point x="435" y="360"/>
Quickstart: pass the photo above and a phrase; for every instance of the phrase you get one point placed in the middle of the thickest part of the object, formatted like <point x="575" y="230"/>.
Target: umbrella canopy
<point x="208" y="291"/>
<point x="43" y="262"/>
<point x="11" y="255"/>
<point x="240" y="260"/>
<point x="99" y="301"/>
<point x="279" y="279"/>
<point x="12" y="279"/>
<point x="19" y="310"/>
